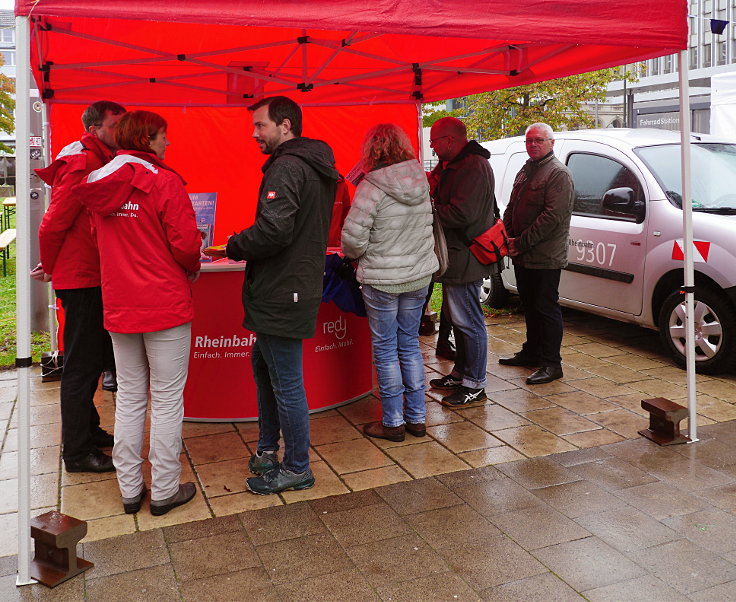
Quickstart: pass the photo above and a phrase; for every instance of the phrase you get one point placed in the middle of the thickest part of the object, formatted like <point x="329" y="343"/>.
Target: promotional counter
<point x="338" y="366"/>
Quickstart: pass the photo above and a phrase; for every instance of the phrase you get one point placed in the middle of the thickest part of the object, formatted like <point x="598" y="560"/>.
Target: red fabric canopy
<point x="200" y="62"/>
<point x="180" y="52"/>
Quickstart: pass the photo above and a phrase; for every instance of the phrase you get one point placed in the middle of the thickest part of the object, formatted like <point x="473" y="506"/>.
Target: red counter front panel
<point x="220" y="386"/>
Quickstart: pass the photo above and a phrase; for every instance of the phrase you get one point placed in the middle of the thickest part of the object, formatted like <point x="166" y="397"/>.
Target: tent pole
<point x="23" y="296"/>
<point x="420" y="133"/>
<point x="687" y="227"/>
<point x="50" y="296"/>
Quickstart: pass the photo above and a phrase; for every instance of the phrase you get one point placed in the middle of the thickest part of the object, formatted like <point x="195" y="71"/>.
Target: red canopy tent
<point x="350" y="65"/>
<point x="200" y="63"/>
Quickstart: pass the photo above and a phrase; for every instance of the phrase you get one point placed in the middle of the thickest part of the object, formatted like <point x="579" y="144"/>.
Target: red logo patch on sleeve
<point x="271" y="195"/>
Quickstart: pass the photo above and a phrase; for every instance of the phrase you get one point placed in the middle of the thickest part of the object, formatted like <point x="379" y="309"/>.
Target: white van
<point x="625" y="248"/>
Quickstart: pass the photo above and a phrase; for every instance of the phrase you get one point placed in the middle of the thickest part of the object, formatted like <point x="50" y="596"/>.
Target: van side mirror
<point x="621" y="202"/>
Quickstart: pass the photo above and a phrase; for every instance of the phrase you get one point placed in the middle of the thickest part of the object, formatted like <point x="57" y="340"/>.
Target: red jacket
<point x="67" y="246"/>
<point x="149" y="242"/>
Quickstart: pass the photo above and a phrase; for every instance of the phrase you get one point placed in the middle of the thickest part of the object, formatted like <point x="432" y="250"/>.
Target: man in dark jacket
<point x="537" y="220"/>
<point x="70" y="259"/>
<point x="285" y="250"/>
<point x="465" y="201"/>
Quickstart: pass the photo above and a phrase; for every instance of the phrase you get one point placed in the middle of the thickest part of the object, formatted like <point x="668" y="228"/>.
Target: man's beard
<point x="269" y="146"/>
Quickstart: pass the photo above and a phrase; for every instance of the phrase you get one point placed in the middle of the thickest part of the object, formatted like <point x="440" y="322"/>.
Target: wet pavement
<point x="546" y="492"/>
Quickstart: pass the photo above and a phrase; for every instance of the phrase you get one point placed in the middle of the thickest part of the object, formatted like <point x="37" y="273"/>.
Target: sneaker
<point x="465" y="397"/>
<point x="186" y="492"/>
<point x="263" y="461"/>
<point x="279" y="479"/>
<point x="131" y="505"/>
<point x="446" y="382"/>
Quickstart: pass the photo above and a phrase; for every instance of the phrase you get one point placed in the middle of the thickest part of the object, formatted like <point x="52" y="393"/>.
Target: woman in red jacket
<point x="149" y="253"/>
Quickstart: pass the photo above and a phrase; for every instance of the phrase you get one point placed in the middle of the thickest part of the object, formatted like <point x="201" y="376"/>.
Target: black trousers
<point x="538" y="292"/>
<point x="87" y="352"/>
<point x="445" y="329"/>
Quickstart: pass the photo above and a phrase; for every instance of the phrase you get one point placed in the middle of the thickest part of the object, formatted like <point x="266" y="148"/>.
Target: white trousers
<point x="158" y="360"/>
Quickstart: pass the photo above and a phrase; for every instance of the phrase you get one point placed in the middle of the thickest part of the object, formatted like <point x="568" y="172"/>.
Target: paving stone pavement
<point x="544" y="493"/>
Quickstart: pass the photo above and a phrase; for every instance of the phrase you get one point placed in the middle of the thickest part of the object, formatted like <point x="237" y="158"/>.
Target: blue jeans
<point x="282" y="400"/>
<point x="462" y="301"/>
<point x="393" y="319"/>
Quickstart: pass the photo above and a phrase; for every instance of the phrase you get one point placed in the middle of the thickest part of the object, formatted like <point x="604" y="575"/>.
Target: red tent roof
<point x="323" y="52"/>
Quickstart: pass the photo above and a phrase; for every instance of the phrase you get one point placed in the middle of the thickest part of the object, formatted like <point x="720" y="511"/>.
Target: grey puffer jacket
<point x="389" y="226"/>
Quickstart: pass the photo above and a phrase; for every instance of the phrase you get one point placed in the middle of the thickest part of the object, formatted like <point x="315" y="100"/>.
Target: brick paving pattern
<point x="544" y="493"/>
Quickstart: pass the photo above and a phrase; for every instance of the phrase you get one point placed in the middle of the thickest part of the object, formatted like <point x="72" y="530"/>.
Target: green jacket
<point x="285" y="247"/>
<point x="538" y="213"/>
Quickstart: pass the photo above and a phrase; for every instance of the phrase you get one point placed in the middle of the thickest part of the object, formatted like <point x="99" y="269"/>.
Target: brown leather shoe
<point x="378" y="431"/>
<point x="418" y="429"/>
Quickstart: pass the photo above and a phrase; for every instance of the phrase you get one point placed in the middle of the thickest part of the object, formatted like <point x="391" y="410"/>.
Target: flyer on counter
<point x="204" y="204"/>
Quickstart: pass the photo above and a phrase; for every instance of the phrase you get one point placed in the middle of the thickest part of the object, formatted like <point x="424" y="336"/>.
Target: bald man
<point x="464" y="199"/>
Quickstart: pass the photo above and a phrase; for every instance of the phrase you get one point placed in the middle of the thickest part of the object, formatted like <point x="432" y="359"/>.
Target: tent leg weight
<point x="56" y="536"/>
<point x="664" y="421"/>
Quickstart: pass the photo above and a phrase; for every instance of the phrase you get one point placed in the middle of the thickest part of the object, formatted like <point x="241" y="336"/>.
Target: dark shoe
<point x="131" y="505"/>
<point x="446" y="350"/>
<point x="426" y="326"/>
<point x="446" y="382"/>
<point x="279" y="479"/>
<point x="186" y="492"/>
<point x="262" y="462"/>
<point x="378" y="431"/>
<point x="103" y="439"/>
<point x="418" y="429"/>
<point x="519" y="359"/>
<point x="465" y="397"/>
<point x="95" y="461"/>
<point x="109" y="381"/>
<point x="545" y="374"/>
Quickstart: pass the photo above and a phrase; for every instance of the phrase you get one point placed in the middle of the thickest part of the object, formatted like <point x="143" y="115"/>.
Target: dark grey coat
<point x="538" y="213"/>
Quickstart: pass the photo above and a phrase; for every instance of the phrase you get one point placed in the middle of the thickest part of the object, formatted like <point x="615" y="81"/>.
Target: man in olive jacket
<point x="285" y="254"/>
<point x="464" y="199"/>
<point x="537" y="220"/>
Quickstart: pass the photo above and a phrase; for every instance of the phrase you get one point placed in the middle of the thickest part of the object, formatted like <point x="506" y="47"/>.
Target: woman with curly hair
<point x="389" y="231"/>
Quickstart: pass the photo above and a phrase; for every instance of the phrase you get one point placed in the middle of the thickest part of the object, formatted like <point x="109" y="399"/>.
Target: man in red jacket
<point x="69" y="259"/>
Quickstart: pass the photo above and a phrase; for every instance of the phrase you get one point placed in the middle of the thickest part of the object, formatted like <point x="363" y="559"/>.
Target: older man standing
<point x="537" y="220"/>
<point x="464" y="200"/>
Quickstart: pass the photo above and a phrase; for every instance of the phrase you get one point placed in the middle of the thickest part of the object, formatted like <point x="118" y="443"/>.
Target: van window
<point x="593" y="176"/>
<point x="713" y="169"/>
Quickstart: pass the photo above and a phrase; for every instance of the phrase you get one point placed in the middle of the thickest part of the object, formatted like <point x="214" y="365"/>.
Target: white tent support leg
<point x="23" y="296"/>
<point x="420" y="134"/>
<point x="46" y="131"/>
<point x="687" y="227"/>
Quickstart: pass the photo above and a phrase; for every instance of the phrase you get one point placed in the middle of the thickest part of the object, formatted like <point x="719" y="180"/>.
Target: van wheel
<point x="493" y="293"/>
<point x="715" y="330"/>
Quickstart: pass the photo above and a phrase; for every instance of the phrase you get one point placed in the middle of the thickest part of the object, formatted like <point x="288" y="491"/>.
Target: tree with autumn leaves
<point x="559" y="102"/>
<point x="7" y="106"/>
